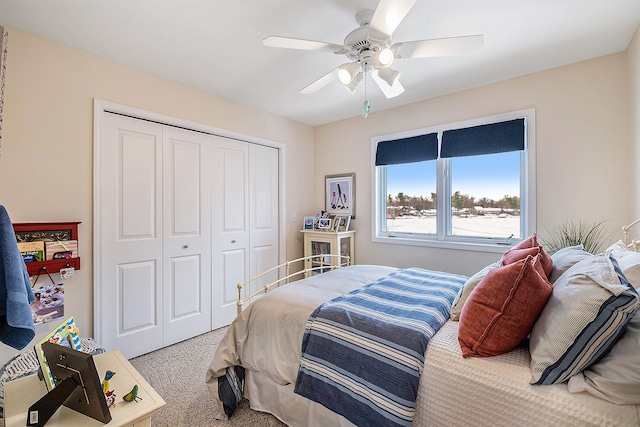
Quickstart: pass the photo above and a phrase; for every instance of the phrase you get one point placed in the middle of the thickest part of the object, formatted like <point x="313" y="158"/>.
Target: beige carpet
<point x="177" y="373"/>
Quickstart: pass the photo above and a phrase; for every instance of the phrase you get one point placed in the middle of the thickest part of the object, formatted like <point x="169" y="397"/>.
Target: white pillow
<point x="616" y="377"/>
<point x="565" y="258"/>
<point x="628" y="260"/>
<point x="589" y="308"/>
<point x="469" y="285"/>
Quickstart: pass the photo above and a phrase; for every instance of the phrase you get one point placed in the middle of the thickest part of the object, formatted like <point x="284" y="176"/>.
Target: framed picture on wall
<point x="340" y="194"/>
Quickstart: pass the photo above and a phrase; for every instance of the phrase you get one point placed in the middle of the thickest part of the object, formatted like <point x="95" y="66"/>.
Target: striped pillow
<point x="589" y="309"/>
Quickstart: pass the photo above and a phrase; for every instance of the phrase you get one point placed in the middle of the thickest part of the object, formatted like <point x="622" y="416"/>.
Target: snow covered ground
<point x="485" y="225"/>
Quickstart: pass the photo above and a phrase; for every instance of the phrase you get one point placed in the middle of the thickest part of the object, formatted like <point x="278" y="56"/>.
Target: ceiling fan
<point x="370" y="50"/>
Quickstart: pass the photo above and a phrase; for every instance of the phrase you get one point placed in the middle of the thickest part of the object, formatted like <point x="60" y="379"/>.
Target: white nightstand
<point x="20" y="394"/>
<point x="324" y="243"/>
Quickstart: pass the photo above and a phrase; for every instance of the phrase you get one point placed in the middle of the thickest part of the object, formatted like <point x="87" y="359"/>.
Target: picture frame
<point x="340" y="194"/>
<point x="308" y="223"/>
<point x="66" y="334"/>
<point x="336" y="222"/>
<point x="318" y="215"/>
<point x="324" y="224"/>
<point x="343" y="224"/>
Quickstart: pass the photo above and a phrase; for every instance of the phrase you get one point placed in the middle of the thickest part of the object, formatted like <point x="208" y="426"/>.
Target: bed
<point x="261" y="353"/>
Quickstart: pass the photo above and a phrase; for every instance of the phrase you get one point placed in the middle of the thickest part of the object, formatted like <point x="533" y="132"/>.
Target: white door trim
<point x="100" y="107"/>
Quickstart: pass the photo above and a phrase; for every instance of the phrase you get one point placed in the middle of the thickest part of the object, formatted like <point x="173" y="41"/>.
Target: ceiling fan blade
<point x="438" y="47"/>
<point x="291" y="43"/>
<point x="321" y="82"/>
<point x="389" y="14"/>
<point x="389" y="91"/>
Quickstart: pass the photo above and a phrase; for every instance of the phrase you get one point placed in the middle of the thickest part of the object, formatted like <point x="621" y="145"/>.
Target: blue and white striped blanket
<point x="363" y="352"/>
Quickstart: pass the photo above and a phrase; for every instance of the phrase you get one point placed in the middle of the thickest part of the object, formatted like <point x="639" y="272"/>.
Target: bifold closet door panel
<point x="264" y="213"/>
<point x="231" y="252"/>
<point x="187" y="234"/>
<point x="128" y="288"/>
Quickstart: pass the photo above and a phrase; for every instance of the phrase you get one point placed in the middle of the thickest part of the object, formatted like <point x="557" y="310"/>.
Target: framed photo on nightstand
<point x="324" y="224"/>
<point x="336" y="222"/>
<point x="343" y="224"/>
<point x="308" y="223"/>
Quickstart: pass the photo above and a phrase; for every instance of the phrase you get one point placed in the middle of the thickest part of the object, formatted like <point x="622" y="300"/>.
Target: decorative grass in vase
<point x="591" y="236"/>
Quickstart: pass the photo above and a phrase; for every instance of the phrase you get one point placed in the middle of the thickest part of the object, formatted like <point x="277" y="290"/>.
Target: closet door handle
<point x="233" y="241"/>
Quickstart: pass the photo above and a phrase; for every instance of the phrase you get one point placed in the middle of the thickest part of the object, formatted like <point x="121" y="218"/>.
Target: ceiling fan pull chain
<point x="365" y="105"/>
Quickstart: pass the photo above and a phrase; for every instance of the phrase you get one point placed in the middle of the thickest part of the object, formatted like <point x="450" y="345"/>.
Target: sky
<point x="492" y="176"/>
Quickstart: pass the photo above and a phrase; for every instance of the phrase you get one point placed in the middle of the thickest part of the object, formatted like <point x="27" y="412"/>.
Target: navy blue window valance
<point x="492" y="138"/>
<point x="407" y="150"/>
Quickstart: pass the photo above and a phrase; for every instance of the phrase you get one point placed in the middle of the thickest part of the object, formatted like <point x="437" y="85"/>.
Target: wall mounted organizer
<point x="48" y="232"/>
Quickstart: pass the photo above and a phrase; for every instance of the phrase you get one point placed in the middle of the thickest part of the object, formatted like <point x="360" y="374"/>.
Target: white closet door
<point x="263" y="218"/>
<point x="129" y="253"/>
<point x="181" y="218"/>
<point x="230" y="255"/>
<point x="245" y="222"/>
<point x="187" y="234"/>
<point x="154" y="255"/>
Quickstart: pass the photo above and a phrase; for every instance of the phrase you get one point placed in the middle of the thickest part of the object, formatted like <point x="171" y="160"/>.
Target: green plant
<point x="591" y="236"/>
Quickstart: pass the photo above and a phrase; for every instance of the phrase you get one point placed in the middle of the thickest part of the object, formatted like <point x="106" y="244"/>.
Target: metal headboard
<point x="635" y="243"/>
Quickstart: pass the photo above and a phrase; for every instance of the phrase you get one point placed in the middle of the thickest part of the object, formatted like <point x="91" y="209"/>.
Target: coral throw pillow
<point x="529" y="242"/>
<point x="529" y="247"/>
<point x="503" y="308"/>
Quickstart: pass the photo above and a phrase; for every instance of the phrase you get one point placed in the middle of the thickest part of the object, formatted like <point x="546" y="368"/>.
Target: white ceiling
<point x="216" y="45"/>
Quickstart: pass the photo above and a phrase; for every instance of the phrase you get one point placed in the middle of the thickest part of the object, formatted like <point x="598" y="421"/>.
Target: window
<point x="468" y="185"/>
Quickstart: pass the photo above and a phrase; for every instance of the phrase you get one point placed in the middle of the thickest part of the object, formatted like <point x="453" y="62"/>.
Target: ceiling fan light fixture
<point x="347" y="72"/>
<point x="389" y="75"/>
<point x="351" y="87"/>
<point x="384" y="57"/>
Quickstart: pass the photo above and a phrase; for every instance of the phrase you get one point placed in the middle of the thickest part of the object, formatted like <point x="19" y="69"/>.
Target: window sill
<point x="475" y="246"/>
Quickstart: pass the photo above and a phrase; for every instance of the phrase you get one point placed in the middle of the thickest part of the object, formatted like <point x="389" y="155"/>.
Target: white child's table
<point x="20" y="394"/>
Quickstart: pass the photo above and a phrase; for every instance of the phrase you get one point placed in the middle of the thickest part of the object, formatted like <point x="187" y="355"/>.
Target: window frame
<point x="441" y="240"/>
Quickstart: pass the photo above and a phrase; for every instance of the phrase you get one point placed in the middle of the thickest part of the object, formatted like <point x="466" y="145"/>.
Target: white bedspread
<point x="495" y="391"/>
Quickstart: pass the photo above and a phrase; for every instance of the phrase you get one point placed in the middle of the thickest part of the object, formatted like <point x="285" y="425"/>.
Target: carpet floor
<point x="177" y="373"/>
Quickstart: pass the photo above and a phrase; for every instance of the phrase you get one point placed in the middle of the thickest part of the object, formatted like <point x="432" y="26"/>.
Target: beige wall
<point x="586" y="114"/>
<point x="46" y="154"/>
<point x="634" y="129"/>
<point x="582" y="145"/>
